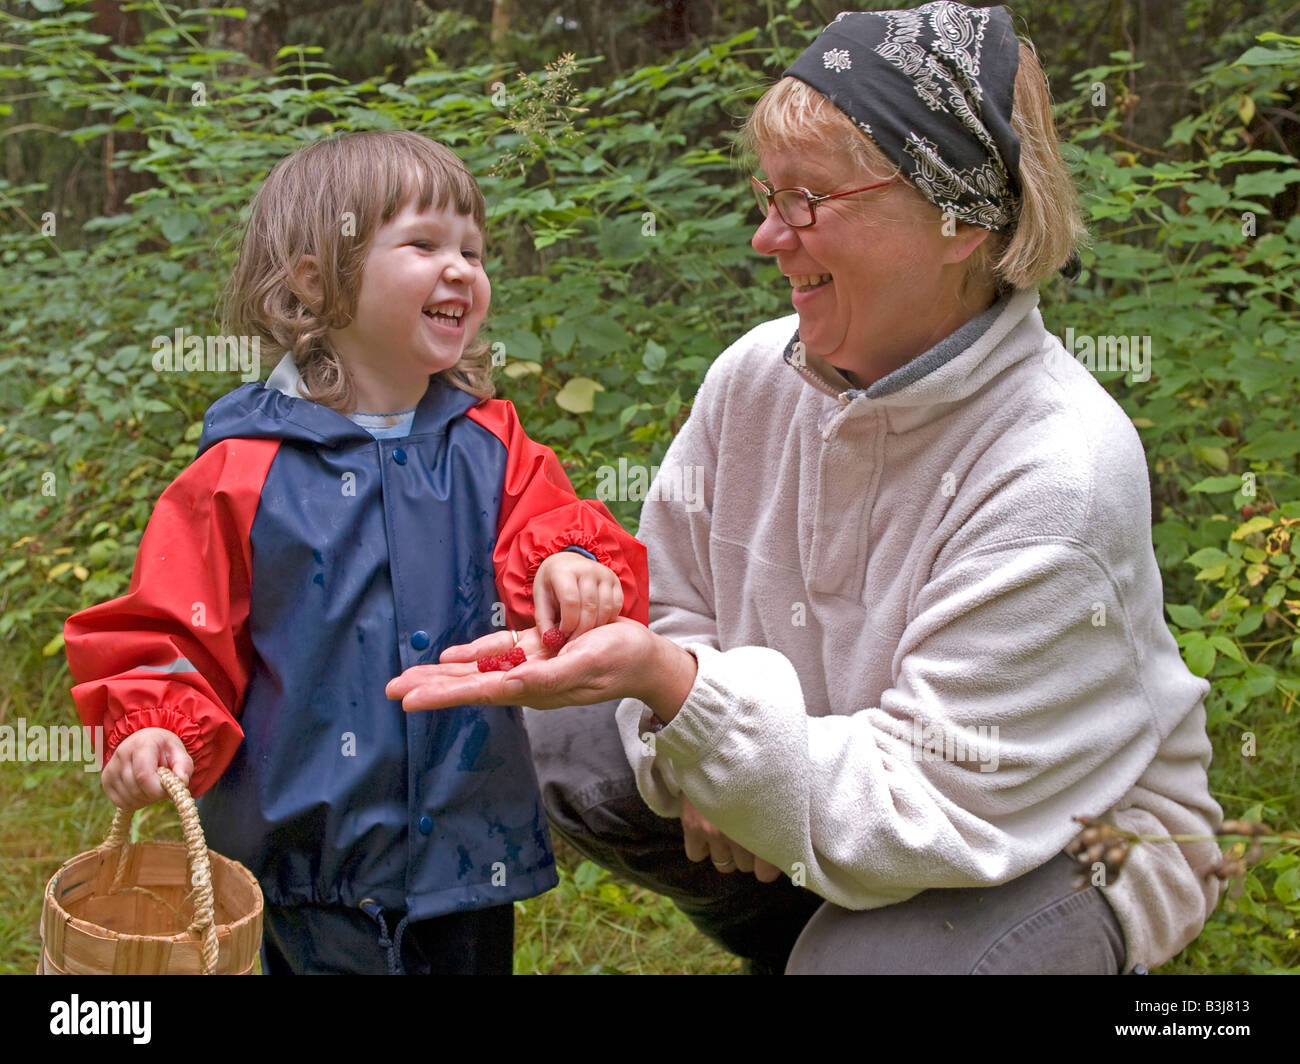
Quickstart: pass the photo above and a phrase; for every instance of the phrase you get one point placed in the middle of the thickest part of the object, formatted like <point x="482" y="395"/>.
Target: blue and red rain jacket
<point x="284" y="578"/>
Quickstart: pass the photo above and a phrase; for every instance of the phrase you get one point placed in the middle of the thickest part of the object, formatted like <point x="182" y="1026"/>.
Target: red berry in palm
<point x="502" y="662"/>
<point x="554" y="639"/>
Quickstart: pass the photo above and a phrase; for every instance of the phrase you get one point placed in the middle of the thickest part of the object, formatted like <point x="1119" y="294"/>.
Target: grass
<point x="593" y="924"/>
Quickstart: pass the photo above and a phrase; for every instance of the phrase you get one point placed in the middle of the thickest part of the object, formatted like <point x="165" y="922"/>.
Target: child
<point x="344" y="521"/>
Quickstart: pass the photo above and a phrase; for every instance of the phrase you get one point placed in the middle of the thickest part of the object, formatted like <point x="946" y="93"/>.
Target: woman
<point x="916" y="627"/>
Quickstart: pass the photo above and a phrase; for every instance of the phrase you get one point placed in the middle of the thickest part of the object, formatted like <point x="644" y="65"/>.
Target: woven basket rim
<point x="55" y="911"/>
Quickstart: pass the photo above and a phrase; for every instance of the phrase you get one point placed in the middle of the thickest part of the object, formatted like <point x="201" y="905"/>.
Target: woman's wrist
<point x="674" y="671"/>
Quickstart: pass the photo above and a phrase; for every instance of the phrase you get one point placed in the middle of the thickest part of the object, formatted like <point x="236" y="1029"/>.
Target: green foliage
<point x="1188" y="252"/>
<point x="618" y="250"/>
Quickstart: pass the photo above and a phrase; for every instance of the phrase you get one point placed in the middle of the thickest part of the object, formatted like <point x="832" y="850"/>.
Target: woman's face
<point x="872" y="281"/>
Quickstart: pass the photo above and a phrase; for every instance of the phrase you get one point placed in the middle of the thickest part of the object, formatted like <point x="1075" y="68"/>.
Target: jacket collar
<point x="280" y="409"/>
<point x="953" y="370"/>
<point x="439" y="404"/>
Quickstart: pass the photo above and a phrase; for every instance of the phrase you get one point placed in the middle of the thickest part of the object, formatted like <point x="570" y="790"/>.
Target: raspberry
<point x="502" y="662"/>
<point x="554" y="639"/>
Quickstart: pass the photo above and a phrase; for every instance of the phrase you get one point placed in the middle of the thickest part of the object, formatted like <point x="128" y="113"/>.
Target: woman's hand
<point x="704" y="840"/>
<point x="622" y="659"/>
<point x="575" y="594"/>
<point x="130" y="778"/>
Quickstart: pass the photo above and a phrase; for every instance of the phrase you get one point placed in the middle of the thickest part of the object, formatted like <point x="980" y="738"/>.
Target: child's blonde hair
<point x="327" y="200"/>
<point x="1049" y="226"/>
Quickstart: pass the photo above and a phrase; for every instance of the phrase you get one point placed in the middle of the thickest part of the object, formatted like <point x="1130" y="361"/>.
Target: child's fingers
<point x="110" y="781"/>
<point x="543" y="606"/>
<point x="601" y="597"/>
<point x="568" y="595"/>
<point x="144" y="773"/>
<point x="589" y="594"/>
<point x="611" y="600"/>
<point x="177" y="758"/>
<point x="119" y="782"/>
<point x="616" y="595"/>
<point x="124" y="792"/>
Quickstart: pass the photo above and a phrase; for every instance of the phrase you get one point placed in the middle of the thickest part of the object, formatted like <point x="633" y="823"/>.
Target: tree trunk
<point x="502" y="16"/>
<point x="260" y="34"/>
<point x="120" y="27"/>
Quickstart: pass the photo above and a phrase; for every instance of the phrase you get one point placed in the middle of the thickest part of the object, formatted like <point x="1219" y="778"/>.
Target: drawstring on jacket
<point x="391" y="946"/>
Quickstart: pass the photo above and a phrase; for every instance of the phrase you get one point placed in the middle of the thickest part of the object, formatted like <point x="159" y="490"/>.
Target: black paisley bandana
<point x="933" y="88"/>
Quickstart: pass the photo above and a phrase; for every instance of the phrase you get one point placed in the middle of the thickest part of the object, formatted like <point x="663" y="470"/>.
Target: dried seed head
<point x="1230" y="868"/>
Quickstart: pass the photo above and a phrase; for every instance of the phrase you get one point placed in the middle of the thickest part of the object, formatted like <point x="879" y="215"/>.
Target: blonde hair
<point x="327" y="200"/>
<point x="1048" y="226"/>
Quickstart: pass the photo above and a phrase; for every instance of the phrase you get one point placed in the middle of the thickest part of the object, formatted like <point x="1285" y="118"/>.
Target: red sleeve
<point x="541" y="514"/>
<point x="174" y="652"/>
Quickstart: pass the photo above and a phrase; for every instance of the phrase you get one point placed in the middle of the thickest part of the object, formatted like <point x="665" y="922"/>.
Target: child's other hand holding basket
<point x="131" y="776"/>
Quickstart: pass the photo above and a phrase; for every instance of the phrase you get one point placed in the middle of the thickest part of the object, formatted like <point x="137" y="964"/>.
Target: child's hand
<point x="130" y="778"/>
<point x="575" y="594"/>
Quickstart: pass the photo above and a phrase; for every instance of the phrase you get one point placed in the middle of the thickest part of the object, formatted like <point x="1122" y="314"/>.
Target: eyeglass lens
<point x="791" y="205"/>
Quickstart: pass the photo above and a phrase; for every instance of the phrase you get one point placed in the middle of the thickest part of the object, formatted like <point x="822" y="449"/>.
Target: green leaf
<point x="1255" y="524"/>
<point x="1214" y="457"/>
<point x="1257" y="56"/>
<point x="523" y="345"/>
<point x="655" y="356"/>
<point x="1260" y="680"/>
<point x="1206" y="557"/>
<point x="1287" y="886"/>
<point x="587" y="876"/>
<point x="1184" y="616"/>
<point x="1273" y="444"/>
<point x="604" y="335"/>
<point x="177" y="225"/>
<point x="1264" y="183"/>
<point x="1226" y="647"/>
<point x="1251" y="619"/>
<point x="563" y="335"/>
<point x="1217" y="484"/>
<point x="1199" y="655"/>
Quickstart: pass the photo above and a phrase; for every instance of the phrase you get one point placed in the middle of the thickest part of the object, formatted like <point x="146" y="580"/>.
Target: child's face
<point x="423" y="296"/>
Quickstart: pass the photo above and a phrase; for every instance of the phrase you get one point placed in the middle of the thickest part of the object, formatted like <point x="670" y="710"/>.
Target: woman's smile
<point x="806" y="288"/>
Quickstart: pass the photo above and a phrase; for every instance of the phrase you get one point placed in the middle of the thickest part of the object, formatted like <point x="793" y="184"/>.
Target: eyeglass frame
<point x="809" y="198"/>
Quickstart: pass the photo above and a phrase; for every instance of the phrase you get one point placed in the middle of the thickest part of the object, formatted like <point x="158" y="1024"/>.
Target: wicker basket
<point x="123" y="908"/>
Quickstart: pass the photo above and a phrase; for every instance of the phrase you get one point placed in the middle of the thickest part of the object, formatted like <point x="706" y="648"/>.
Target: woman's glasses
<point x="797" y="206"/>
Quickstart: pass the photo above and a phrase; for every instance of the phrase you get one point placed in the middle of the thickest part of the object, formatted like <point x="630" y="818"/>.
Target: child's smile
<point x="423" y="296"/>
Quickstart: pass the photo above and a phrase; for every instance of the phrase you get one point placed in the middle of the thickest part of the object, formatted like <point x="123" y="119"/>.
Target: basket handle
<point x="119" y="836"/>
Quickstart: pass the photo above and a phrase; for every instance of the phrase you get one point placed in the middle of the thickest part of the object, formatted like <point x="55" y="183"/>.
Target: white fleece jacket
<point x="878" y="579"/>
